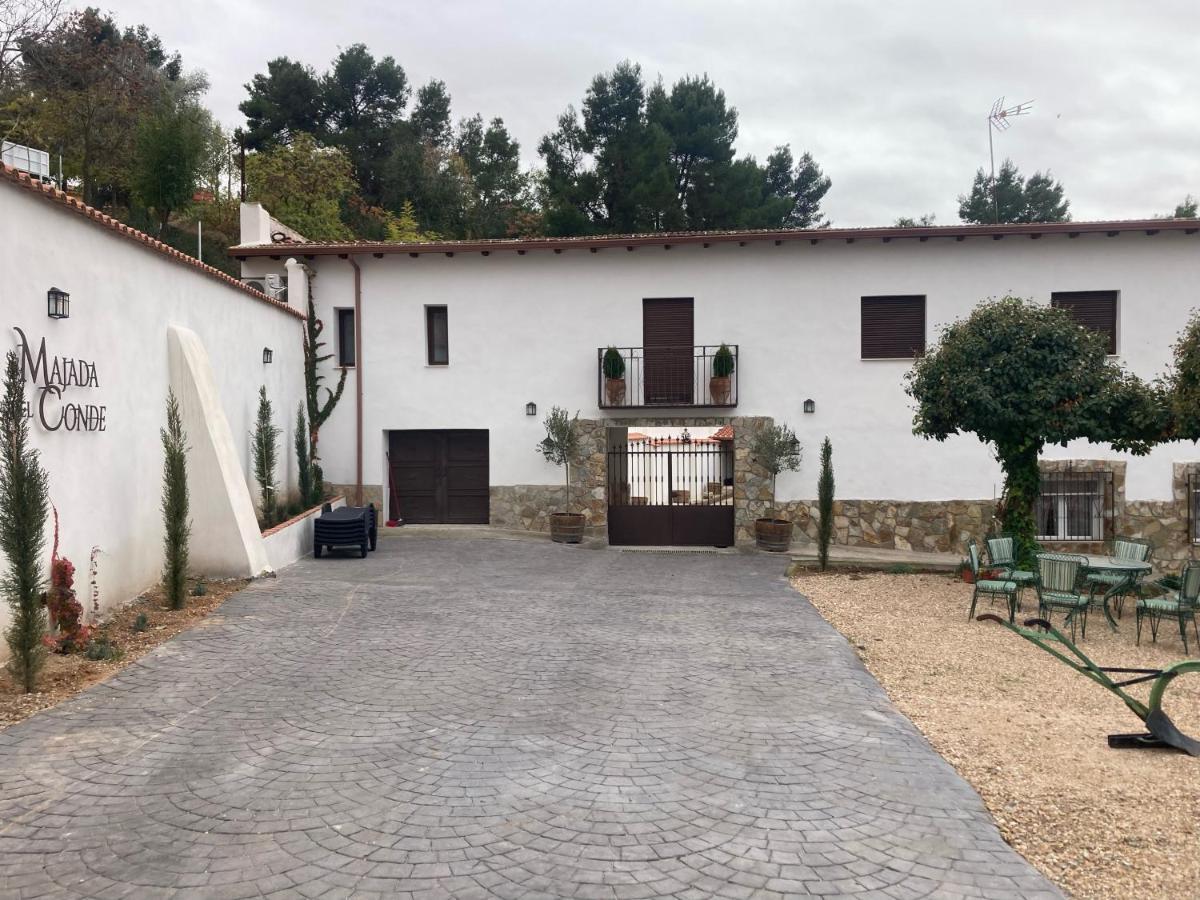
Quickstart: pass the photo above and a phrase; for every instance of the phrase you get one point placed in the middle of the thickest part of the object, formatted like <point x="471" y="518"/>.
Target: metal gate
<point x="672" y="491"/>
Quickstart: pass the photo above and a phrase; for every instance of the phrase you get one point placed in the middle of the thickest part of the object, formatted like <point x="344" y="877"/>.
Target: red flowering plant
<point x="66" y="612"/>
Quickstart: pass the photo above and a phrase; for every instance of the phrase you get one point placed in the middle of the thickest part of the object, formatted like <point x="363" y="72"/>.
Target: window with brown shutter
<point x="893" y="327"/>
<point x="1096" y="310"/>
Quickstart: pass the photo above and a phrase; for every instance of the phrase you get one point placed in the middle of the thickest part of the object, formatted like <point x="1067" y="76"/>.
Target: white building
<point x="447" y="344"/>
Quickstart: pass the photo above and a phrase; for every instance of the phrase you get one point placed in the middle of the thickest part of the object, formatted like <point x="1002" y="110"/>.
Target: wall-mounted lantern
<point x="58" y="304"/>
<point x="268" y="355"/>
<point x="810" y="406"/>
<point x="531" y="408"/>
<point x="686" y="437"/>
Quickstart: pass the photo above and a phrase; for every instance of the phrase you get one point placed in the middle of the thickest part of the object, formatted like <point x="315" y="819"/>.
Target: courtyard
<point x="492" y="718"/>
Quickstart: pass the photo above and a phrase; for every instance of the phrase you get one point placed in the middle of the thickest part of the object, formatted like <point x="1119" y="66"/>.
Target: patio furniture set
<point x="1075" y="583"/>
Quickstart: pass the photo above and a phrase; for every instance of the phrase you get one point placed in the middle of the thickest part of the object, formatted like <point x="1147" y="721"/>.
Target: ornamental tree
<point x="561" y="443"/>
<point x="265" y="452"/>
<point x="776" y="449"/>
<point x="825" y="489"/>
<point x="1020" y="375"/>
<point x="177" y="529"/>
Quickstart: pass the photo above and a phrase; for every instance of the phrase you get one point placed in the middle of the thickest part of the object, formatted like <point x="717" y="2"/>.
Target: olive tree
<point x="1021" y="375"/>
<point x="561" y="443"/>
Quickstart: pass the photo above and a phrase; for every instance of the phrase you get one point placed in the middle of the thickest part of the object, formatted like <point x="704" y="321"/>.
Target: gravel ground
<point x="1029" y="734"/>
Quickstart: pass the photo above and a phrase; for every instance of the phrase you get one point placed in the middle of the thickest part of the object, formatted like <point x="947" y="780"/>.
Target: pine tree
<point x="175" y="506"/>
<point x="264" y="448"/>
<point x="825" y="504"/>
<point x="24" y="495"/>
<point x="302" y="462"/>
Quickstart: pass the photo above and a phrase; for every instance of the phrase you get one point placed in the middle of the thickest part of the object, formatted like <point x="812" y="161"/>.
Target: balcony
<point x="667" y="377"/>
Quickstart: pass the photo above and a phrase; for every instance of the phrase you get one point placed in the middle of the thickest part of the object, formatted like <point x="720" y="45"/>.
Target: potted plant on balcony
<point x="614" y="377"/>
<point x="777" y="450"/>
<point x="561" y="447"/>
<point x="720" y="385"/>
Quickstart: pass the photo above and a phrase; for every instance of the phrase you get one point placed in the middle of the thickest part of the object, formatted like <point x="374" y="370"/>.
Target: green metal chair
<point x="1001" y="550"/>
<point x="1182" y="608"/>
<point x="1117" y="583"/>
<point x="993" y="588"/>
<point x="1058" y="574"/>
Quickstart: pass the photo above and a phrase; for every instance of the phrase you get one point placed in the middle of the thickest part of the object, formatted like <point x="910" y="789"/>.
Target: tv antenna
<point x="998" y="120"/>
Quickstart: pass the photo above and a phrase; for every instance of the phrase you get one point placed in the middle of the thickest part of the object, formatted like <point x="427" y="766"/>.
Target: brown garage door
<point x="439" y="476"/>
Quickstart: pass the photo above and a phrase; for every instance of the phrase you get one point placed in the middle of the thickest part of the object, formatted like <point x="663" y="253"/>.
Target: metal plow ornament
<point x="1161" y="731"/>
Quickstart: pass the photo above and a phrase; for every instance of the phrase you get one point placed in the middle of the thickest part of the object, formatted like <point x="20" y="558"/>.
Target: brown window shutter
<point x="1096" y="310"/>
<point x="893" y="327"/>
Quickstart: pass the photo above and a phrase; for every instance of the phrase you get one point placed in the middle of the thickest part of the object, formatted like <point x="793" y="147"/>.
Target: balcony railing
<point x="667" y="377"/>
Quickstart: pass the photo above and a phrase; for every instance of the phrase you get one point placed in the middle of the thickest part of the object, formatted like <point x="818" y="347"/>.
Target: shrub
<point x="24" y="495"/>
<point x="200" y="588"/>
<point x="723" y="362"/>
<point x="777" y="450"/>
<point x="303" y="463"/>
<point x="103" y="649"/>
<point x="900" y="569"/>
<point x="825" y="486"/>
<point x="175" y="505"/>
<point x="265" y="451"/>
<point x="66" y="612"/>
<point x="614" y="363"/>
<point x="141" y="623"/>
<point x="561" y="443"/>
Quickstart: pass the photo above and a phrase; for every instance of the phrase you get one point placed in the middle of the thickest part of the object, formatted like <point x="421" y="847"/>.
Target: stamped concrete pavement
<point x="496" y="719"/>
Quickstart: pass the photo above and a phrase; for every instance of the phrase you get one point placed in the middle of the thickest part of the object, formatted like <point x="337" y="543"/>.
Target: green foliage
<point x="140" y="624"/>
<point x="1183" y="382"/>
<point x="170" y="147"/>
<point x="825" y="491"/>
<point x="614" y="363"/>
<point x="24" y="499"/>
<point x="303" y="463"/>
<point x="1020" y="375"/>
<point x="900" y="569"/>
<point x="908" y="222"/>
<point x="102" y="649"/>
<point x="304" y="186"/>
<point x="723" y="362"/>
<point x="283" y="103"/>
<point x="1015" y="199"/>
<point x="776" y="449"/>
<point x="175" y="505"/>
<point x="199" y="589"/>
<point x="318" y="411"/>
<point x="264" y="449"/>
<point x="561" y="443"/>
<point x="1188" y="209"/>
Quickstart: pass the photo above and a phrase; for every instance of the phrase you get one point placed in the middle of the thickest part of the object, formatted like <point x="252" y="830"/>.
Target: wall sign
<point x="52" y="376"/>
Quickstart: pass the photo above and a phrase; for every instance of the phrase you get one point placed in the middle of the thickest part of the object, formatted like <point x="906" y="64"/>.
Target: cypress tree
<point x="825" y="504"/>
<point x="302" y="462"/>
<point x="24" y="495"/>
<point x="175" y="505"/>
<point x="264" y="441"/>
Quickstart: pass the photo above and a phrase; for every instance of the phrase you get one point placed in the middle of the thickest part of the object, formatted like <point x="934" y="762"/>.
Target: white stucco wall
<point x="527" y="328"/>
<point x="107" y="485"/>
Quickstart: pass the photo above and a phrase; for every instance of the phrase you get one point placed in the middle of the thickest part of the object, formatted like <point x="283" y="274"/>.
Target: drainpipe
<point x="358" y="390"/>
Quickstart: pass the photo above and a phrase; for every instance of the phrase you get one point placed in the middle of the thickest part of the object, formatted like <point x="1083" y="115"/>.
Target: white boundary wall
<point x="124" y="296"/>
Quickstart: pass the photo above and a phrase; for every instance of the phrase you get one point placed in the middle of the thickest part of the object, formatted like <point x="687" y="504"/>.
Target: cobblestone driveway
<point x="483" y="718"/>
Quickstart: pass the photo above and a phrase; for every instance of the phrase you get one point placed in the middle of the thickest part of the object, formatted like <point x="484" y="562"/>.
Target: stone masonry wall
<point x="932" y="526"/>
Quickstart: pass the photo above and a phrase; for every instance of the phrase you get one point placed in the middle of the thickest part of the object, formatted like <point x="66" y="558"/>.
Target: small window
<point x="893" y="327"/>
<point x="1073" y="506"/>
<point x="345" y="337"/>
<point x="437" y="337"/>
<point x="1096" y="310"/>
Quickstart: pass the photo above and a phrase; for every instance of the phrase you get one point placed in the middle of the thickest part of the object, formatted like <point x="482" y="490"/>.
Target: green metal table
<point x="1131" y="569"/>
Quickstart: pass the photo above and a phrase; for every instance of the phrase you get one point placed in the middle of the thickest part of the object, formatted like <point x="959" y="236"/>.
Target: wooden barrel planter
<point x="566" y="528"/>
<point x="773" y="534"/>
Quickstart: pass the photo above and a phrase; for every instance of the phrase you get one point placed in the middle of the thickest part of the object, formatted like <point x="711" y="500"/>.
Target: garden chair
<point x="1182" y="607"/>
<point x="1001" y="550"/>
<point x="1118" y="583"/>
<point x="993" y="588"/>
<point x="1057" y="576"/>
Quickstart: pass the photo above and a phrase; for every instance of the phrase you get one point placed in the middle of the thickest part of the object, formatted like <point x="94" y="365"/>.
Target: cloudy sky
<point x="890" y="97"/>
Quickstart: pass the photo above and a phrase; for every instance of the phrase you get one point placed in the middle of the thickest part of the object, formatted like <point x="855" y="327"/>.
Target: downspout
<point x="358" y="390"/>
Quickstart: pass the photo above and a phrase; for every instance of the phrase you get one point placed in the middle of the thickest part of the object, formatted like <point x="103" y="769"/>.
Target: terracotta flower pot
<point x="774" y="535"/>
<point x="614" y="391"/>
<point x="566" y="528"/>
<point x="720" y="387"/>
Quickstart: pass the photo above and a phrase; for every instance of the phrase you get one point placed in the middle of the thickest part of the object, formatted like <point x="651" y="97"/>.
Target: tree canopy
<point x="1012" y="198"/>
<point x="1020" y="375"/>
<point x="1188" y="209"/>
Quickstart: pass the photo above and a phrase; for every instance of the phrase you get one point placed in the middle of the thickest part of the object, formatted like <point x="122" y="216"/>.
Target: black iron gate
<point x="672" y="491"/>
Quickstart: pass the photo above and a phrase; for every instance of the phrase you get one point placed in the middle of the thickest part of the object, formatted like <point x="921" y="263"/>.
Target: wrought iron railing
<point x="1074" y="506"/>
<point x="666" y="377"/>
<point x="672" y="471"/>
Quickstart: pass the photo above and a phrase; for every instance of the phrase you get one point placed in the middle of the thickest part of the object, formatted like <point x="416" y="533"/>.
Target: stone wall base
<point x="372" y="493"/>
<point x="527" y="507"/>
<point x="932" y="526"/>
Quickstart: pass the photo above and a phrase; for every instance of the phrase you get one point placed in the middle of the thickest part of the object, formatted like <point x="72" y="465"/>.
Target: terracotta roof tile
<point x="724" y="433"/>
<point x="54" y="195"/>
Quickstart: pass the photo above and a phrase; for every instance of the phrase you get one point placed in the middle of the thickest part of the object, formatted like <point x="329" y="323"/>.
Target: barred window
<point x="1073" y="506"/>
<point x="1193" y="489"/>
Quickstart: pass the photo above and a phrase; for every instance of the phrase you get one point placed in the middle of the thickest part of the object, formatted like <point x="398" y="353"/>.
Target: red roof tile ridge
<point x="50" y="192"/>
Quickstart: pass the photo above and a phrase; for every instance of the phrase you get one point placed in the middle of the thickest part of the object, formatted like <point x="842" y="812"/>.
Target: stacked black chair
<point x="349" y="526"/>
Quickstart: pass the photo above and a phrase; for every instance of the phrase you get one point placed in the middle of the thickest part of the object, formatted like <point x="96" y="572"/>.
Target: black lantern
<point x="268" y="355"/>
<point x="531" y="408"/>
<point x="686" y="437"/>
<point x="810" y="406"/>
<point x="58" y="303"/>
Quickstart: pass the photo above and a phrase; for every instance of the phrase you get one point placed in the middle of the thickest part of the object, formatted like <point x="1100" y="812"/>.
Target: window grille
<point x="1193" y="492"/>
<point x="1074" y="506"/>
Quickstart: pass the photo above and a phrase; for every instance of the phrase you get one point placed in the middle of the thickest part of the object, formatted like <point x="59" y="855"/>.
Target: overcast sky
<point x="890" y="97"/>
